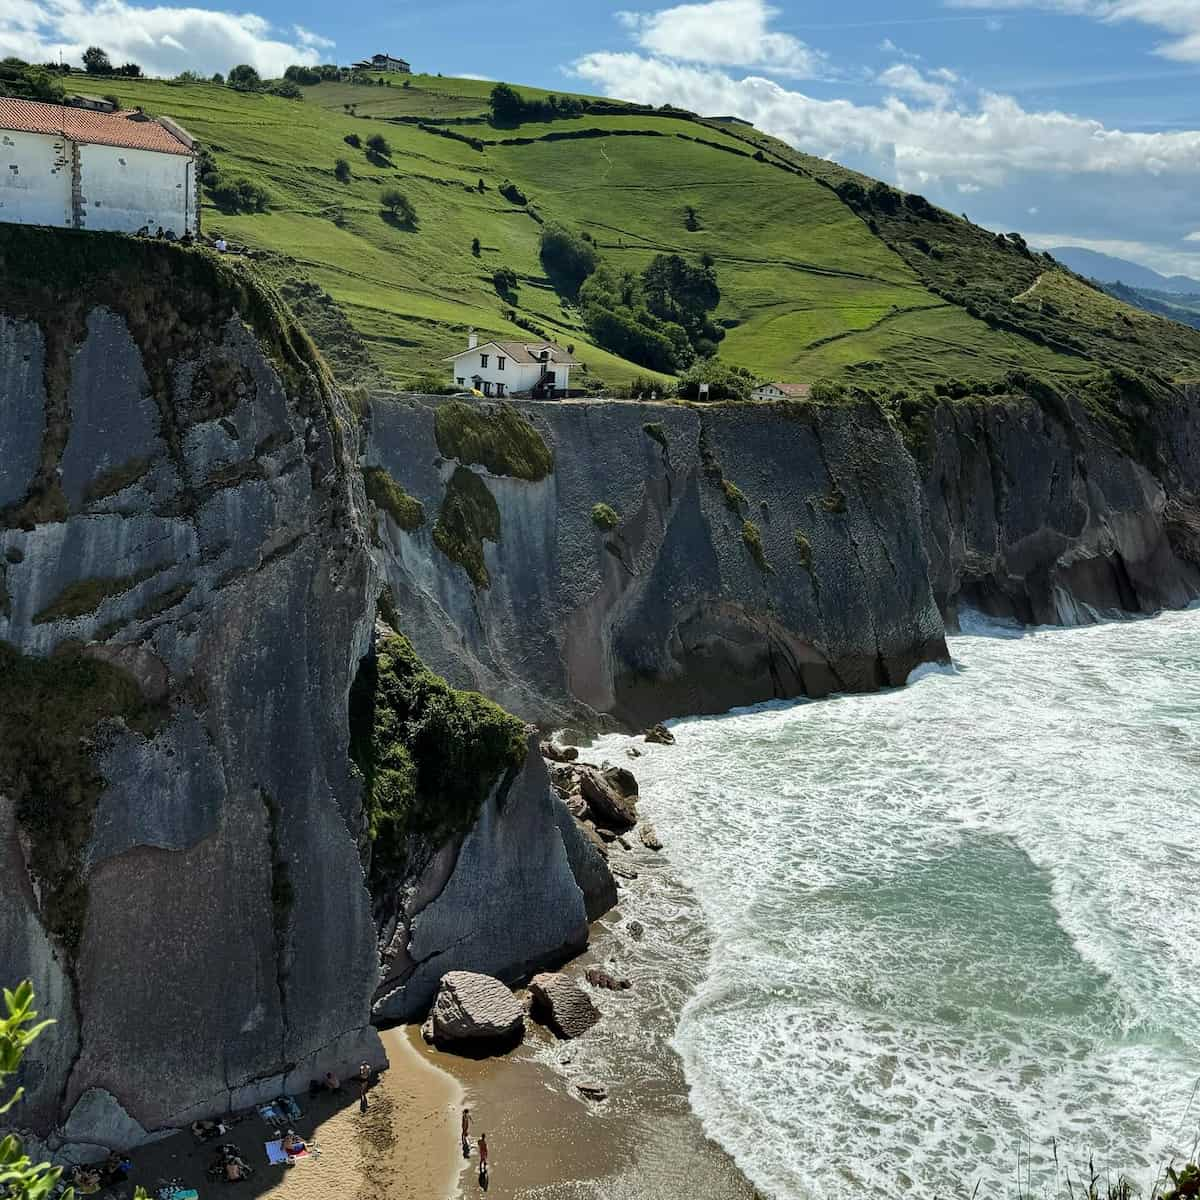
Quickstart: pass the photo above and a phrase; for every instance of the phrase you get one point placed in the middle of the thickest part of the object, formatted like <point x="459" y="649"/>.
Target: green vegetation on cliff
<point x="428" y="754"/>
<point x="407" y="511"/>
<point x="52" y="713"/>
<point x="823" y="273"/>
<point x="499" y="439"/>
<point x="469" y="517"/>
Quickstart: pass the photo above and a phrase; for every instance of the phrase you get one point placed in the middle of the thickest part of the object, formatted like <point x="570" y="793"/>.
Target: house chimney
<point x="472" y="340"/>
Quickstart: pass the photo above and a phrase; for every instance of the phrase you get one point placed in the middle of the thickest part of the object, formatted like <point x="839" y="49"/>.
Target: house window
<point x="461" y="381"/>
<point x="500" y="361"/>
<point x="487" y="388"/>
<point x="499" y="389"/>
<point x="483" y="360"/>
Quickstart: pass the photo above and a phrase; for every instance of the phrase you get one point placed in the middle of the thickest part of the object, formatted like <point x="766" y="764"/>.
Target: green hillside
<point x="822" y="273"/>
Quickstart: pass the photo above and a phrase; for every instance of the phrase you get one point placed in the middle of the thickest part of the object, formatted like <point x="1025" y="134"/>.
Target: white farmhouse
<point x="382" y="62"/>
<point x="538" y="369"/>
<point x="74" y="168"/>
<point x="781" y="391"/>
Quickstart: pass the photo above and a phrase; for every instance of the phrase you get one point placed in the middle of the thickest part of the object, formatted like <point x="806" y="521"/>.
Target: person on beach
<point x="466" y="1129"/>
<point x="483" y="1155"/>
<point x="364" y="1084"/>
<point x="332" y="1083"/>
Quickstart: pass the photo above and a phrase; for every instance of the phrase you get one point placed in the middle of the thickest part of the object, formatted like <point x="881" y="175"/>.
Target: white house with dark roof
<point x="382" y="62"/>
<point x="538" y="369"/>
<point x="781" y="391"/>
<point x="76" y="168"/>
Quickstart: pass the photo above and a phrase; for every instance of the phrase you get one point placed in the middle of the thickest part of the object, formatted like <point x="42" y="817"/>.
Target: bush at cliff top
<point x="498" y="438"/>
<point x="429" y="754"/>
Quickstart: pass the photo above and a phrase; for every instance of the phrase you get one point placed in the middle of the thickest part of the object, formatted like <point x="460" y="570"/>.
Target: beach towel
<point x="277" y="1155"/>
<point x="271" y="1112"/>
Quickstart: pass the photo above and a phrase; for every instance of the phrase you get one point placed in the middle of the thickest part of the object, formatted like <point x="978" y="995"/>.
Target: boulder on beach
<point x="476" y="1009"/>
<point x="633" y="752"/>
<point x="609" y="806"/>
<point x="558" y="754"/>
<point x="659" y="735"/>
<point x="600" y="978"/>
<point x="636" y="930"/>
<point x="649" y="836"/>
<point x="561" y="1003"/>
<point x="591" y="1090"/>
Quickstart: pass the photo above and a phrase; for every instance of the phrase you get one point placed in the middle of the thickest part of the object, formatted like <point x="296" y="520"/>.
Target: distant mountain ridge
<point x="1108" y="269"/>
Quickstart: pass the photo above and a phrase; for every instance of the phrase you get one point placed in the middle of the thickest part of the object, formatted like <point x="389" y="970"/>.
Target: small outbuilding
<point x="541" y="370"/>
<point x="77" y="168"/>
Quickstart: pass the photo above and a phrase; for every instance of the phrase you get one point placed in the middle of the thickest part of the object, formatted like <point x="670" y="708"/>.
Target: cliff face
<point x="189" y="570"/>
<point x="1036" y="514"/>
<point x="191" y="530"/>
<point x="186" y="595"/>
<point x="755" y="555"/>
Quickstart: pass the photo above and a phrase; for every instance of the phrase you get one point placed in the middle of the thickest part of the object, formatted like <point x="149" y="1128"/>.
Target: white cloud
<point x="985" y="145"/>
<point x="890" y="47"/>
<point x="1180" y="19"/>
<point x="1193" y="237"/>
<point x="906" y="80"/>
<point x="306" y="37"/>
<point x="723" y="33"/>
<point x="164" y="40"/>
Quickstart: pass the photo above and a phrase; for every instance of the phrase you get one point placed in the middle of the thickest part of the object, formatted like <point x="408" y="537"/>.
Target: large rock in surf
<point x="559" y="1002"/>
<point x="476" y="1009"/>
<point x="609" y="806"/>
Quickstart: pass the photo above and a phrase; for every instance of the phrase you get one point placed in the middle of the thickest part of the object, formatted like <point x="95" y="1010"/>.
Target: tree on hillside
<point x="244" y="78"/>
<point x="398" y="207"/>
<point x="506" y="103"/>
<point x="96" y="61"/>
<point x="567" y="258"/>
<point x="301" y="74"/>
<point x="341" y="171"/>
<point x="130" y="69"/>
<point x="379" y="146"/>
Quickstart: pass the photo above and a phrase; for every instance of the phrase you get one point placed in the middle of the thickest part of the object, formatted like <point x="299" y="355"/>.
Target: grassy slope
<point x="809" y="289"/>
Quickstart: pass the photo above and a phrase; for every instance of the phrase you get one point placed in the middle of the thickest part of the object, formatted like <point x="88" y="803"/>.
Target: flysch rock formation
<point x="670" y="612"/>
<point x="1035" y="515"/>
<point x="181" y="504"/>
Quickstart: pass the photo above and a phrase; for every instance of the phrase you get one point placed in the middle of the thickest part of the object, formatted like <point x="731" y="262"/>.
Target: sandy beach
<point x="402" y="1147"/>
<point x="545" y="1140"/>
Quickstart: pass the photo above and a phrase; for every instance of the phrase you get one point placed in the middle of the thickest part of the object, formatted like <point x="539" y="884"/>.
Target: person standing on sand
<point x="466" y="1129"/>
<point x="483" y="1154"/>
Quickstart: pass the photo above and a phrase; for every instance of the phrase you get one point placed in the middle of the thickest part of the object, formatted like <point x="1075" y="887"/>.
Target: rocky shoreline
<point x="591" y="1100"/>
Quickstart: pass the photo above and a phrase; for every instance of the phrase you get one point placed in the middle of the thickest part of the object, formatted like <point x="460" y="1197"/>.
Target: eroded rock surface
<point x="562" y="1004"/>
<point x="476" y="1009"/>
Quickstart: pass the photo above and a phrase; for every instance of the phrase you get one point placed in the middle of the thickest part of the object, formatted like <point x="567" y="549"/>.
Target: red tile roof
<point x="132" y="130"/>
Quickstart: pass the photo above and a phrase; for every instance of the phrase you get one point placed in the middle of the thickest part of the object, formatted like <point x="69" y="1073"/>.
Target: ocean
<point x="946" y="937"/>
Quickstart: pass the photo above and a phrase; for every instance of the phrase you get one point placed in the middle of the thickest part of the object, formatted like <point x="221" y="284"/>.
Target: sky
<point x="1075" y="122"/>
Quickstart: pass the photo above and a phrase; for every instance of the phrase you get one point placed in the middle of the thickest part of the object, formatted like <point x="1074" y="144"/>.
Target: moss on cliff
<point x="605" y="517"/>
<point x="499" y="439"/>
<point x="752" y="536"/>
<point x="803" y="549"/>
<point x="51" y="711"/>
<point x="405" y="510"/>
<point x="428" y="754"/>
<point x="469" y="516"/>
<point x="86" y="595"/>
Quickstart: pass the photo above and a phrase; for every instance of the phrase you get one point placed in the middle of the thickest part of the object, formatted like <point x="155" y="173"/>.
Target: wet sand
<point x="403" y="1147"/>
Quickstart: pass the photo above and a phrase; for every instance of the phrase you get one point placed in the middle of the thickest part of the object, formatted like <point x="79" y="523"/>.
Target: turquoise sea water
<point x="950" y="923"/>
